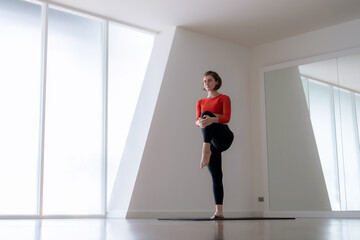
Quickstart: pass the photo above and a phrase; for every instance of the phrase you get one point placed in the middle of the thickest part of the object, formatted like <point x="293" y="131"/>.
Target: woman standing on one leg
<point x="212" y="115"/>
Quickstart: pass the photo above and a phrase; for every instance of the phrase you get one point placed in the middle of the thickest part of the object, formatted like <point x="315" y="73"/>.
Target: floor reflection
<point x="219" y="230"/>
<point x="115" y="229"/>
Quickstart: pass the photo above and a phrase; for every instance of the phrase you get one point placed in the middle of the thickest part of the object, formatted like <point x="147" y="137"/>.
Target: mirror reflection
<point x="312" y="121"/>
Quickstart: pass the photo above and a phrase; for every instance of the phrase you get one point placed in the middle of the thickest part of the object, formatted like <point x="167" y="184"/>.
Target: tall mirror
<point x="313" y="129"/>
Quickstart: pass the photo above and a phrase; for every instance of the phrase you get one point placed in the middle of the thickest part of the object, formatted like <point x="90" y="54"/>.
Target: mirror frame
<point x="266" y="211"/>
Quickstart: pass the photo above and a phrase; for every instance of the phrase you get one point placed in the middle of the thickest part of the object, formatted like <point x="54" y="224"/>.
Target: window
<point x="92" y="75"/>
<point x="73" y="125"/>
<point x="20" y="48"/>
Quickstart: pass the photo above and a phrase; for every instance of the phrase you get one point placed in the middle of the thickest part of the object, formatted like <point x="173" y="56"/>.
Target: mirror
<point x="313" y="129"/>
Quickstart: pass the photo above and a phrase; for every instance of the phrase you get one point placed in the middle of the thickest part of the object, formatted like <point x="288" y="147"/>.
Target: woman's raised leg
<point x="208" y="134"/>
<point x="206" y="154"/>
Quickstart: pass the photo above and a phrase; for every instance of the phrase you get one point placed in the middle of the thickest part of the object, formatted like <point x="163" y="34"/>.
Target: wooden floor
<point x="119" y="229"/>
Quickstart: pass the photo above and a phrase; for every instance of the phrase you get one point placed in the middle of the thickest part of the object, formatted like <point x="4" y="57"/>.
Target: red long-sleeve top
<point x="220" y="104"/>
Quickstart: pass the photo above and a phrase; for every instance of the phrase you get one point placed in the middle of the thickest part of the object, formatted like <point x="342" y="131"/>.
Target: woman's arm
<point x="225" y="117"/>
<point x="198" y="112"/>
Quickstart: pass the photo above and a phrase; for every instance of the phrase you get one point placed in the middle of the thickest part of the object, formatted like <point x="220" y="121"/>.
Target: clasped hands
<point x="205" y="121"/>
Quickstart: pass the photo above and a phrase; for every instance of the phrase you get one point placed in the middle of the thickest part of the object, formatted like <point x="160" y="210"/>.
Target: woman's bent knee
<point x="207" y="113"/>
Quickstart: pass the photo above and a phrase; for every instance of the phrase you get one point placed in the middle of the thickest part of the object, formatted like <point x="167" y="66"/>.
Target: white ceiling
<point x="246" y="22"/>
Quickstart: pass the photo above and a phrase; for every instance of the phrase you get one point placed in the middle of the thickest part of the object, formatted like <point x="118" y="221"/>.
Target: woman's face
<point x="209" y="83"/>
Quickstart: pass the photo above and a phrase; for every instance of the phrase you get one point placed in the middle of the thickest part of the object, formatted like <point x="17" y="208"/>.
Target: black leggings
<point x="221" y="138"/>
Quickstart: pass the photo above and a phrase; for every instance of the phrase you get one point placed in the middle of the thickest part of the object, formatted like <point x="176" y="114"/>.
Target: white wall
<point x="324" y="41"/>
<point x="170" y="182"/>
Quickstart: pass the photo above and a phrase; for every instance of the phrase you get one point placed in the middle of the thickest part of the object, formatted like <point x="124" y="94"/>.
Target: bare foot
<point x="205" y="159"/>
<point x="218" y="212"/>
<point x="217" y="216"/>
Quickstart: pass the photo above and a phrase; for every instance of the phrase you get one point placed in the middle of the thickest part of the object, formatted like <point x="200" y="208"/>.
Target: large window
<point x="73" y="126"/>
<point x="20" y="48"/>
<point x="69" y="85"/>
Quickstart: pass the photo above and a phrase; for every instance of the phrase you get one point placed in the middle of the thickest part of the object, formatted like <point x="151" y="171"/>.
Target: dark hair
<point x="216" y="77"/>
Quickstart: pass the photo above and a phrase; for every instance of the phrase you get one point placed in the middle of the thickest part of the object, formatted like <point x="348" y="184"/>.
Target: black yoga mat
<point x="221" y="219"/>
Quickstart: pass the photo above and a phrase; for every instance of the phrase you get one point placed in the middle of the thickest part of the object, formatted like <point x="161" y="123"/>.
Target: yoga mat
<point x="221" y="219"/>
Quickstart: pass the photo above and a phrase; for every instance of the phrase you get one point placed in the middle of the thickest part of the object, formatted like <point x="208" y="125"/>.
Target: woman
<point x="212" y="114"/>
